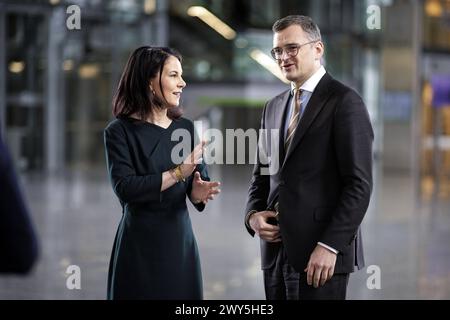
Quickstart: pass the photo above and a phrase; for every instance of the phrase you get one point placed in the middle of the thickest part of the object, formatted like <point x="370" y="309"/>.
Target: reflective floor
<point x="76" y="215"/>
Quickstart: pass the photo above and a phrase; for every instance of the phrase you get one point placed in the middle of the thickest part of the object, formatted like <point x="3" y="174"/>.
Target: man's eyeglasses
<point x="291" y="50"/>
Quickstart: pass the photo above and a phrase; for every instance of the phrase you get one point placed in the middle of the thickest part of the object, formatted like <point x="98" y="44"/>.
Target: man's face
<point x="302" y="66"/>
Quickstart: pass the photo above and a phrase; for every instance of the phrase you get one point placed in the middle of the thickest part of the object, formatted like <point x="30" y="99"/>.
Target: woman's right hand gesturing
<point x="194" y="158"/>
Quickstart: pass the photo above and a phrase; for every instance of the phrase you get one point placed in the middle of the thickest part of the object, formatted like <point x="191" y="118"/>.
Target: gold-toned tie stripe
<point x="294" y="119"/>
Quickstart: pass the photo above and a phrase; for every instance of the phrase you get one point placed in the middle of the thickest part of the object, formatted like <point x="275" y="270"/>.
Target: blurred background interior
<point x="56" y="87"/>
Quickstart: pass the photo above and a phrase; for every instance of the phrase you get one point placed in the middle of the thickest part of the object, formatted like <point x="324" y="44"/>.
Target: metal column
<point x="54" y="132"/>
<point x="161" y="22"/>
<point x="417" y="41"/>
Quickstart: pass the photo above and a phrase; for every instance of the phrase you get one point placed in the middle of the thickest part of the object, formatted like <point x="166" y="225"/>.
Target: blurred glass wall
<point x="57" y="83"/>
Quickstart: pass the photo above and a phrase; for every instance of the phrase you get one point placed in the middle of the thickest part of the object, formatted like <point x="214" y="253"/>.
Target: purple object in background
<point x="441" y="90"/>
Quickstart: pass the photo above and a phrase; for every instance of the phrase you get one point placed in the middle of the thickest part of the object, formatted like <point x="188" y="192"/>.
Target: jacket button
<point x="282" y="183"/>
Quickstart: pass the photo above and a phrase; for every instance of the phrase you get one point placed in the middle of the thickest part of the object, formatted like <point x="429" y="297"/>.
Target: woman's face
<point x="172" y="82"/>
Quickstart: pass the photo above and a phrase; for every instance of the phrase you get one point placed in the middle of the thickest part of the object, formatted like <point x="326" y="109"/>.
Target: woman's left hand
<point x="202" y="191"/>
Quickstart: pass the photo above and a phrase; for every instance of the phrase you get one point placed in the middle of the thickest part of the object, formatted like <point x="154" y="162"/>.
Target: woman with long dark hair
<point x="155" y="254"/>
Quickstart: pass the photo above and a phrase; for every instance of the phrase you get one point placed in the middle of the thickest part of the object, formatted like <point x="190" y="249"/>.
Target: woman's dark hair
<point x="133" y="95"/>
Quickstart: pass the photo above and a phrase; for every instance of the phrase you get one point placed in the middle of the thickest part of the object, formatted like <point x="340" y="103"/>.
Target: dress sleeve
<point x="128" y="186"/>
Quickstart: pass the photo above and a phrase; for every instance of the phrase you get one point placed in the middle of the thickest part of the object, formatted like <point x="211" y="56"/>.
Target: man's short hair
<point x="305" y="22"/>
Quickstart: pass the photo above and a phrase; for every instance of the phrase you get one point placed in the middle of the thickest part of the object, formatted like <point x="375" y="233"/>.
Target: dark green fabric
<point x="155" y="253"/>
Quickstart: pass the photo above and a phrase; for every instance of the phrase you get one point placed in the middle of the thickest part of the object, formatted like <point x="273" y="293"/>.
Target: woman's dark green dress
<point x="155" y="254"/>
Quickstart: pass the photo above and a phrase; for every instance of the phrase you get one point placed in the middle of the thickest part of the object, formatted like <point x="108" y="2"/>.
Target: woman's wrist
<point x="186" y="169"/>
<point x="179" y="174"/>
<point x="173" y="175"/>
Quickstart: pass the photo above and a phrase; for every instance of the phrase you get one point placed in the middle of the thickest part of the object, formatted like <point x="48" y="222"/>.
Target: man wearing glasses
<point x="308" y="214"/>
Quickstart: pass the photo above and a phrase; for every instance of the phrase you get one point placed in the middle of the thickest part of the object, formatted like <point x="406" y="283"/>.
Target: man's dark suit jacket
<point x="18" y="243"/>
<point x="324" y="182"/>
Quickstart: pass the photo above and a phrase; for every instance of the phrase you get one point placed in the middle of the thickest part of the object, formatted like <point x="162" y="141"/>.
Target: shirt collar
<point x="311" y="84"/>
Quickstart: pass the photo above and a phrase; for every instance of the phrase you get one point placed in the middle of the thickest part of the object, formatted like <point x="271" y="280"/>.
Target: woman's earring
<point x="153" y="91"/>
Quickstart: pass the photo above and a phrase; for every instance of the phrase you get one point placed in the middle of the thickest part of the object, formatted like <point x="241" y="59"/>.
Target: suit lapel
<point x="315" y="105"/>
<point x="278" y="120"/>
